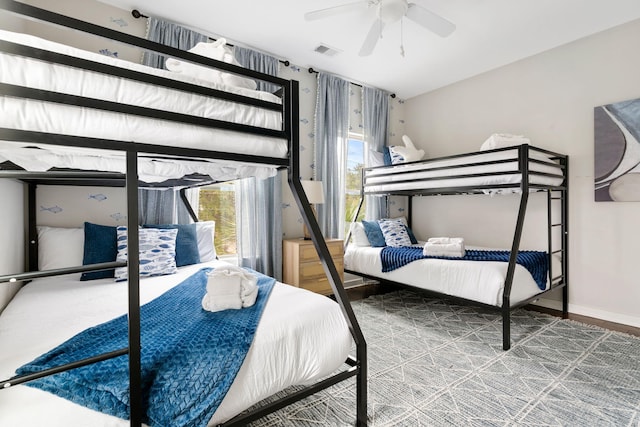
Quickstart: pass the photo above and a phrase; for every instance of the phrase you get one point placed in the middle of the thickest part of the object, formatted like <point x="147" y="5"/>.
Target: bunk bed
<point x="152" y="129"/>
<point x="512" y="169"/>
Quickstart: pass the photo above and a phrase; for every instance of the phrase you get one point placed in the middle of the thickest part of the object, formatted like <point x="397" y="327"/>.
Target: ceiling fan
<point x="388" y="12"/>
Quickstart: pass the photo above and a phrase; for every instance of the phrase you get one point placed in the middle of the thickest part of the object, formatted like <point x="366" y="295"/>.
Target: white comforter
<point x="17" y="113"/>
<point x="301" y="337"/>
<point x="475" y="280"/>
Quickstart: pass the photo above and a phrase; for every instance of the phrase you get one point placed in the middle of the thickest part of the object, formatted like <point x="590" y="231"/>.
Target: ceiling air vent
<point x="327" y="50"/>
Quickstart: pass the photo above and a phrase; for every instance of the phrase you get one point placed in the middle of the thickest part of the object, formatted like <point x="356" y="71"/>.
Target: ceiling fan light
<point x="392" y="10"/>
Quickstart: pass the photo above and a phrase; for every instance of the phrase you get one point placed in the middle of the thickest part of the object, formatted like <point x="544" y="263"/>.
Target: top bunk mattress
<point x="35" y="115"/>
<point x="480" y="170"/>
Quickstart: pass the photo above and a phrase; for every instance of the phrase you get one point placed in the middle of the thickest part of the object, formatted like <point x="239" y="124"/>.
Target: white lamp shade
<point x="314" y="191"/>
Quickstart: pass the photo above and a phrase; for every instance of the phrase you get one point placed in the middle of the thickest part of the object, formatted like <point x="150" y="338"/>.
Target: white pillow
<point x="358" y="235"/>
<point x="234" y="79"/>
<point x="376" y="158"/>
<point x="157" y="251"/>
<point x="213" y="50"/>
<point x="59" y="247"/>
<point x="196" y="71"/>
<point x="210" y="50"/>
<point x="217" y="51"/>
<point x="394" y="232"/>
<point x="404" y="154"/>
<point x="205" y="231"/>
<point x="503" y="140"/>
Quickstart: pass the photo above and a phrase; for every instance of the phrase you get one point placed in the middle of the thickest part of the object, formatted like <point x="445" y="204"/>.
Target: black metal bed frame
<point x="356" y="366"/>
<point x="557" y="193"/>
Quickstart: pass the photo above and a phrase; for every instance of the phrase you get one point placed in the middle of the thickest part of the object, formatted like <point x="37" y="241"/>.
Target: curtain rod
<point x="136" y="14"/>
<point x="311" y="71"/>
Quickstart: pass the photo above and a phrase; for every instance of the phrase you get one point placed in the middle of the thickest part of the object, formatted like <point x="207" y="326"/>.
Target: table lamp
<point x="315" y="194"/>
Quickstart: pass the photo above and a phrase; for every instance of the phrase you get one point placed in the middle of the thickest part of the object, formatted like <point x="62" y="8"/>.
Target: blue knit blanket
<point x="189" y="358"/>
<point x="535" y="261"/>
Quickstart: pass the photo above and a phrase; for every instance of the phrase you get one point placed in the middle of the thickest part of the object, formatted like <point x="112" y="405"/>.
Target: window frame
<point x="220" y="223"/>
<point x="348" y="214"/>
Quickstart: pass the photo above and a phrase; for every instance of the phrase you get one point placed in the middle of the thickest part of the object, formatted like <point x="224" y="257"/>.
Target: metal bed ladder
<point x="558" y="233"/>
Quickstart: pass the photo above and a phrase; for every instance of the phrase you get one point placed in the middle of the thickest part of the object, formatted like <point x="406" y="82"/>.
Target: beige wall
<point x="549" y="98"/>
<point x="11" y="236"/>
<point x="9" y="22"/>
<point x="68" y="206"/>
<point x="96" y="13"/>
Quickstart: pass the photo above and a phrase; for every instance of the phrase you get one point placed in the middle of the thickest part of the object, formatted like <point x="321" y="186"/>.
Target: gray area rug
<point x="436" y="363"/>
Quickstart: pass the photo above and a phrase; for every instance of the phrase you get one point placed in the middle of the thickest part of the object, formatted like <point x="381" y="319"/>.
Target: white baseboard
<point x="591" y="312"/>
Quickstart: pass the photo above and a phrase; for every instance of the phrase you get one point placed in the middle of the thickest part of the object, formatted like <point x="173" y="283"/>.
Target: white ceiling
<point x="489" y="34"/>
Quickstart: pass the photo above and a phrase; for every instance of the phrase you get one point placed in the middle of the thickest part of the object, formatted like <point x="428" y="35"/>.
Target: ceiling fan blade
<point x="430" y="20"/>
<point x="372" y="38"/>
<point x="336" y="10"/>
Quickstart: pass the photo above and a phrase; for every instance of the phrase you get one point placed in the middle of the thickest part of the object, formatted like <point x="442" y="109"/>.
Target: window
<point x="218" y="203"/>
<point x="353" y="182"/>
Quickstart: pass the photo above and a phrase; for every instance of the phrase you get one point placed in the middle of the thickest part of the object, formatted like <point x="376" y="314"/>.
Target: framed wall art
<point x="617" y="151"/>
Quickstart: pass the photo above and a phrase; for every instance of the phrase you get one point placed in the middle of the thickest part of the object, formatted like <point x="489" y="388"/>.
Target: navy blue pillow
<point x="186" y="243"/>
<point x="387" y="156"/>
<point x="412" y="236"/>
<point x="374" y="233"/>
<point x="99" y="246"/>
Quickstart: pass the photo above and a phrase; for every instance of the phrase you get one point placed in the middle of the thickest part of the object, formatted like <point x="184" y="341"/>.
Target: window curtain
<point x="375" y="122"/>
<point x="171" y="35"/>
<point x="258" y="62"/>
<point x="331" y="134"/>
<point x="259" y="201"/>
<point x="166" y="206"/>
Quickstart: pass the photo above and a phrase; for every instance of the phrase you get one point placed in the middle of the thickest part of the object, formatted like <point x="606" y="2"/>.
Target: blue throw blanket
<point x="189" y="359"/>
<point x="535" y="261"/>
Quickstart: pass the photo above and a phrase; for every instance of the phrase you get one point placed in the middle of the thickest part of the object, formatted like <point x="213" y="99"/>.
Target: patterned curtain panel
<point x="259" y="202"/>
<point x="331" y="133"/>
<point x="375" y="122"/>
<point x="171" y="35"/>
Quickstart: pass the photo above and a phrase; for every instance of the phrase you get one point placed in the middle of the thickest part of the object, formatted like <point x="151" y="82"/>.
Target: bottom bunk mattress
<point x="301" y="338"/>
<point x="480" y="281"/>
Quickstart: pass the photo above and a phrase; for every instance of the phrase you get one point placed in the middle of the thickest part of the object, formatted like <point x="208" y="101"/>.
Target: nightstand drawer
<point x="314" y="270"/>
<point x="320" y="286"/>
<point x="308" y="252"/>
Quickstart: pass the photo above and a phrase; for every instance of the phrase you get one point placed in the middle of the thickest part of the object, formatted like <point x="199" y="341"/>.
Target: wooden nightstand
<point x="302" y="267"/>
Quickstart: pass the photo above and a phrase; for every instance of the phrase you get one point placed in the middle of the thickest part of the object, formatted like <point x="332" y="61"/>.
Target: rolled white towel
<point x="249" y="291"/>
<point x="501" y="140"/>
<point x="448" y="254"/>
<point x="444" y="249"/>
<point x="230" y="287"/>
<point x="223" y="292"/>
<point x="445" y="240"/>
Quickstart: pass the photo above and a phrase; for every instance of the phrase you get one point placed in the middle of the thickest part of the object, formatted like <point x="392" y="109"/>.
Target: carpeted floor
<point x="436" y="363"/>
